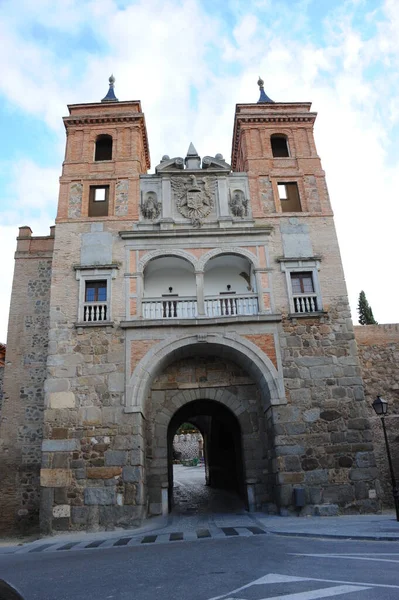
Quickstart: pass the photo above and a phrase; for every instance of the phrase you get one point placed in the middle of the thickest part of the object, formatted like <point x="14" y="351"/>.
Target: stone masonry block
<point x="116" y="382"/>
<point x="62" y="511"/>
<point x="132" y="474"/>
<point x="56" y="385"/>
<point x="292" y="450"/>
<point x="364" y="474"/>
<point x="100" y="496"/>
<point x="103" y="472"/>
<point x="127" y="442"/>
<point x="55" y="477"/>
<point x="326" y="510"/>
<point x="60" y="445"/>
<point x="61" y="400"/>
<point x="115" y="458"/>
<point x="365" y="459"/>
<point x="90" y="415"/>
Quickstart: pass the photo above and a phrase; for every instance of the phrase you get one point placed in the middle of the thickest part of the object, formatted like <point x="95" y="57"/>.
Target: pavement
<point x="203" y="513"/>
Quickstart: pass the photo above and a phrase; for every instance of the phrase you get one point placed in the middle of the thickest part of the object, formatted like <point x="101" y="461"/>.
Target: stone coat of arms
<point x="195" y="199"/>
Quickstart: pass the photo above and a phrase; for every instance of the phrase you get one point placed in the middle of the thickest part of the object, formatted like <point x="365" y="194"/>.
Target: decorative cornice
<point x="196" y="233"/>
<point x="87" y="120"/>
<point x="283" y="259"/>
<point x="90" y="267"/>
<point x="144" y="323"/>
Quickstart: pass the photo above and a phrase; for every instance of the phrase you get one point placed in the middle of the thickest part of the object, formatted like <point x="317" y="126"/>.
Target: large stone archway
<point x="212" y="378"/>
<point x="229" y="345"/>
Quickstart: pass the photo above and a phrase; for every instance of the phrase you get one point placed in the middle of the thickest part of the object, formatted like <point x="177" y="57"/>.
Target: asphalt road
<point x="246" y="568"/>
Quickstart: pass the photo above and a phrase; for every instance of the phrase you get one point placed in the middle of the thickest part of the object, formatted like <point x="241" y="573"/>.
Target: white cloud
<point x="189" y="71"/>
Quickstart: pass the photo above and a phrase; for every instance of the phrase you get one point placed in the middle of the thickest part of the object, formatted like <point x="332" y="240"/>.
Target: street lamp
<point x="381" y="408"/>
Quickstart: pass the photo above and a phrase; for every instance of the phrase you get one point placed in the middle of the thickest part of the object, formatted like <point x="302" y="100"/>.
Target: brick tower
<point x="206" y="293"/>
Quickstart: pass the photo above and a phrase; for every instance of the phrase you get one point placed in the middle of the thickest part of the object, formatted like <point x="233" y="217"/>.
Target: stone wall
<point x="92" y="450"/>
<point x="379" y="358"/>
<point x="323" y="437"/>
<point x="1" y="387"/>
<point x="21" y="425"/>
<point x="186" y="445"/>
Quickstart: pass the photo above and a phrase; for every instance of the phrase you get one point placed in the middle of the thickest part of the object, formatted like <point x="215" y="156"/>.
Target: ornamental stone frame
<point x="229" y="345"/>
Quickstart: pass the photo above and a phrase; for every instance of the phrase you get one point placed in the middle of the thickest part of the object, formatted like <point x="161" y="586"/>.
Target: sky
<point x="190" y="62"/>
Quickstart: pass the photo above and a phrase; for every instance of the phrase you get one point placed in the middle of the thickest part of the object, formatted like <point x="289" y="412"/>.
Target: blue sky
<point x="190" y="62"/>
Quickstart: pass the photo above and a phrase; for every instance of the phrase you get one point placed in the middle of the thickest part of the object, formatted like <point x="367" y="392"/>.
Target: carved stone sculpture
<point x="238" y="204"/>
<point x="151" y="208"/>
<point x="195" y="199"/>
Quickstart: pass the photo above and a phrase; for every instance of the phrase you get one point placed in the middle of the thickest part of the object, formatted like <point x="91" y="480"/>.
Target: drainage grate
<point x="95" y="544"/>
<point x="122" y="541"/>
<point x="176" y="537"/>
<point x="148" y="539"/>
<point x="68" y="546"/>
<point x="41" y="548"/>
<point x="229" y="531"/>
<point x="203" y="533"/>
<point x="256" y="530"/>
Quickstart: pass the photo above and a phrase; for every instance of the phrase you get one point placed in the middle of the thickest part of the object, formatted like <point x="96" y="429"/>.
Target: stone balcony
<point x="187" y="307"/>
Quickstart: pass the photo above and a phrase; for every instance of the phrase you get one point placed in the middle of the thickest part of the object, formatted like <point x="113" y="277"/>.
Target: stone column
<point x="259" y="290"/>
<point x="166" y="198"/>
<point x="199" y="283"/>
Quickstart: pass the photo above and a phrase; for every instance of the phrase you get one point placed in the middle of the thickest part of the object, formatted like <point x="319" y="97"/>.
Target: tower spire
<point x="263" y="96"/>
<point x="110" y="97"/>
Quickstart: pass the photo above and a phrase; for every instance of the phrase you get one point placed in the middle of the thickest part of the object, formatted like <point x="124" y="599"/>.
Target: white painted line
<point x="325" y="593"/>
<point x="276" y="578"/>
<point x="270" y="578"/>
<point x="346" y="556"/>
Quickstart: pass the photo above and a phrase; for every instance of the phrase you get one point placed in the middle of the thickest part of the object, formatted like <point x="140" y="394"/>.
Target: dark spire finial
<point x="110" y="97"/>
<point x="263" y="97"/>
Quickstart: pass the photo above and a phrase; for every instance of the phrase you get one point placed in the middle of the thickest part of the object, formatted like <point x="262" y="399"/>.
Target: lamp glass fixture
<point x="380" y="406"/>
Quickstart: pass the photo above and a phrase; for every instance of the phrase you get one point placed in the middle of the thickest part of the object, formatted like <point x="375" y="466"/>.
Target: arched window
<point x="103" y="148"/>
<point x="279" y="145"/>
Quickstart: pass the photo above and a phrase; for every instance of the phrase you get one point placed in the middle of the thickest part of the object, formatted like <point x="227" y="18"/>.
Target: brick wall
<point x="379" y="358"/>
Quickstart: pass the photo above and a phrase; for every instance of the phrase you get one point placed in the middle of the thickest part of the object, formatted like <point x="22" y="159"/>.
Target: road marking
<point x="315" y="594"/>
<point x="350" y="557"/>
<point x="345" y="587"/>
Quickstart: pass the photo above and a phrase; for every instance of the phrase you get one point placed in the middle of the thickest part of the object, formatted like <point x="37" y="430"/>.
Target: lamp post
<point x="381" y="407"/>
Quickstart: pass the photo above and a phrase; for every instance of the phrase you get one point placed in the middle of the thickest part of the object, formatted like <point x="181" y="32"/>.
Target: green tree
<point x="366" y="316"/>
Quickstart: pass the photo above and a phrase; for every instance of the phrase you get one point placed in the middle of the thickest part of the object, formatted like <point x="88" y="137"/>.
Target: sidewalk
<point x="382" y="527"/>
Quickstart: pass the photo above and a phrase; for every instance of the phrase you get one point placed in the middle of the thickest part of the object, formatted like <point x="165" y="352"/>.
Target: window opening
<point x="289" y="197"/>
<point x="279" y="146"/>
<point x="96" y="291"/>
<point x="96" y="305"/>
<point x="103" y="148"/>
<point x="98" y="200"/>
<point x="303" y="292"/>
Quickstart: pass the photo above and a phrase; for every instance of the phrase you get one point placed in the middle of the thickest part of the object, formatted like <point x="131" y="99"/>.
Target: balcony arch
<point x="230" y="286"/>
<point x="149" y="256"/>
<point x="253" y="259"/>
<point x="169" y="288"/>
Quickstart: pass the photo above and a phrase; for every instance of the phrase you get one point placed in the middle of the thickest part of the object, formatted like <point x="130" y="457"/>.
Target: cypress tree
<point x="366" y="316"/>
